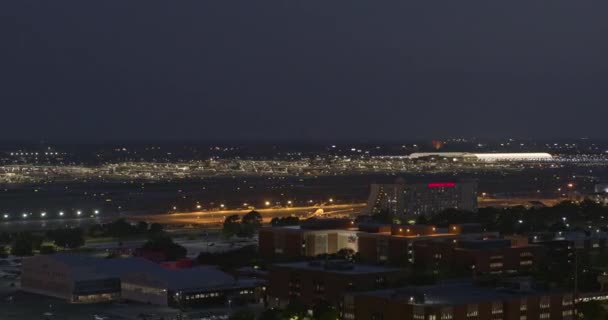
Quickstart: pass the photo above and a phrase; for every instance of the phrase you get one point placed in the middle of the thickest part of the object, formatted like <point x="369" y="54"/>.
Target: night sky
<point x="303" y="70"/>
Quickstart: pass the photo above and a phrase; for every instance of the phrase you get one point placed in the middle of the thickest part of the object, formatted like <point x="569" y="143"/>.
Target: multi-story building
<point x="315" y="281"/>
<point x="396" y="243"/>
<point x="313" y="237"/>
<point x="411" y="200"/>
<point x="83" y="279"/>
<point x="460" y="301"/>
<point x="480" y="256"/>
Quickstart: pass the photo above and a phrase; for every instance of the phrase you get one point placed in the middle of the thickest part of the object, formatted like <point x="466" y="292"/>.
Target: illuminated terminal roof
<point x="520" y="156"/>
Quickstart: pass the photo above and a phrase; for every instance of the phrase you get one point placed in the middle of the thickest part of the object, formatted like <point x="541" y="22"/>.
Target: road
<point x="217" y="217"/>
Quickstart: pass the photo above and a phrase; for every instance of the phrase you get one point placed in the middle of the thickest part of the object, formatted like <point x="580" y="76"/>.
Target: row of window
<point x="203" y="296"/>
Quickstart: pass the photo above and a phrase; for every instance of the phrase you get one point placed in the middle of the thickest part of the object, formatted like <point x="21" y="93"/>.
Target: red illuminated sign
<point x="441" y="184"/>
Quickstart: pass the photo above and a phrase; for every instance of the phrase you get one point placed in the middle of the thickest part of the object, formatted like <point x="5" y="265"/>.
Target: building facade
<point x="460" y="302"/>
<point x="312" y="238"/>
<point x="316" y="281"/>
<point x="412" y="200"/>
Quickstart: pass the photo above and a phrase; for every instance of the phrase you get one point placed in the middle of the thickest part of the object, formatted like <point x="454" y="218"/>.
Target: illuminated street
<point x="217" y="217"/>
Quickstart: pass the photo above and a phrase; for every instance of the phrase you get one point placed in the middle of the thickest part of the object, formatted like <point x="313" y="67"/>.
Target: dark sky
<point x="316" y="69"/>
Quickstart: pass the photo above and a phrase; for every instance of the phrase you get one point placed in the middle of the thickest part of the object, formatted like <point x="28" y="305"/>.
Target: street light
<point x="96" y="212"/>
<point x="43" y="214"/>
<point x="78" y="212"/>
<point x="61" y="213"/>
<point x="267" y="203"/>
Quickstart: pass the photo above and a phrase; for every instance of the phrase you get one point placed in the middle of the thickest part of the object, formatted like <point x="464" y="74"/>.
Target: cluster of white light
<point x="44" y="214"/>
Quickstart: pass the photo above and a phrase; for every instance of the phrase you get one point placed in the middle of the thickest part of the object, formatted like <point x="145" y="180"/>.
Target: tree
<point x="47" y="249"/>
<point x="591" y="310"/>
<point x="164" y="244"/>
<point x="5" y="238"/>
<point x="142" y="227"/>
<point x="23" y="244"/>
<point x="253" y="217"/>
<point x="67" y="238"/>
<point x="286" y="221"/>
<point x="231" y="226"/>
<point x="120" y="229"/>
<point x="271" y="314"/>
<point x="422" y="219"/>
<point x="155" y="230"/>
<point x="242" y="315"/>
<point x="250" y="223"/>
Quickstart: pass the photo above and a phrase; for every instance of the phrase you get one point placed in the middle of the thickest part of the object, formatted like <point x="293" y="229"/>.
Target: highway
<point x="217" y="217"/>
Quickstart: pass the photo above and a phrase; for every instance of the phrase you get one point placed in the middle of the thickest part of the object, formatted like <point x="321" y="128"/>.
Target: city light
<point x="331" y="200"/>
<point x="6" y="216"/>
<point x="198" y="206"/>
<point x="61" y="213"/>
<point x="96" y="212"/>
<point x="222" y="205"/>
<point x="267" y="203"/>
<point x="24" y="215"/>
<point x="43" y="214"/>
<point x="78" y="212"/>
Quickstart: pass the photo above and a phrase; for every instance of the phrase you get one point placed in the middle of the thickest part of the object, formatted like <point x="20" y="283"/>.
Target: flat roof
<point x="455" y="294"/>
<point x="356" y="268"/>
<point x="85" y="267"/>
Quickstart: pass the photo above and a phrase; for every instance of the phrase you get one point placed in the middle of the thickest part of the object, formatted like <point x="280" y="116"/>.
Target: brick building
<point x="460" y="301"/>
<point x="313" y="237"/>
<point x="480" y="256"/>
<point x="311" y="282"/>
<point x="397" y="244"/>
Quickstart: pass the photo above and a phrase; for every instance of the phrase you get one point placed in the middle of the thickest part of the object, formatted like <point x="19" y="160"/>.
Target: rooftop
<point x="337" y="266"/>
<point x="89" y="268"/>
<point x="456" y="293"/>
